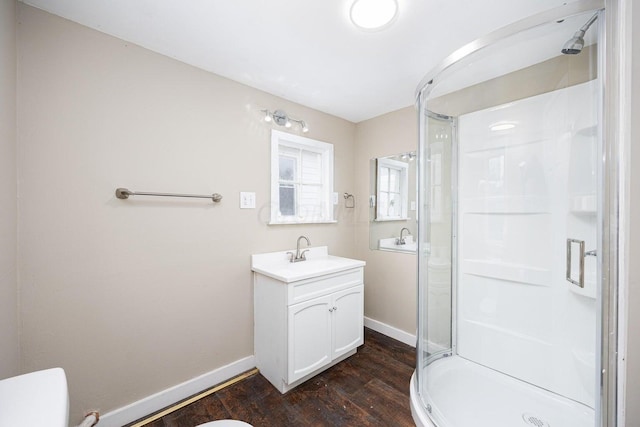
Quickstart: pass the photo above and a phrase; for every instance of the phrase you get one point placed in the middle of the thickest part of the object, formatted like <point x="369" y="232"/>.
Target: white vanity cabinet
<point x="308" y="319"/>
<point x="323" y="329"/>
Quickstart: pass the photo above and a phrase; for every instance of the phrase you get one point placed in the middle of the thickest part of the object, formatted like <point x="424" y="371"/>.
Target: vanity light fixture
<point x="281" y="118"/>
<point x="373" y="15"/>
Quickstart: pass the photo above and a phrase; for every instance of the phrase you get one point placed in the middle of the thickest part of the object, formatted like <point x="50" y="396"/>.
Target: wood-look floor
<point x="371" y="388"/>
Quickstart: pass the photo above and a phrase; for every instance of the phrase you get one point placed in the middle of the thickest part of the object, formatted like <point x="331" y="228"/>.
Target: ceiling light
<point x="373" y="14"/>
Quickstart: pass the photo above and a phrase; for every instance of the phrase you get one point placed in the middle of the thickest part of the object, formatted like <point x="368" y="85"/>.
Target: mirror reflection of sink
<point x="391" y="243"/>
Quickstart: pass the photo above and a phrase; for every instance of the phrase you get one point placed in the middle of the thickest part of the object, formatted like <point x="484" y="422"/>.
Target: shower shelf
<point x="505" y="205"/>
<point x="488" y="143"/>
<point x="589" y="131"/>
<point x="583" y="204"/>
<point x="507" y="271"/>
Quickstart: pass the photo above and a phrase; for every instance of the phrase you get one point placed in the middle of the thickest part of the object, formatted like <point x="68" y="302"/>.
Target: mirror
<point x="392" y="203"/>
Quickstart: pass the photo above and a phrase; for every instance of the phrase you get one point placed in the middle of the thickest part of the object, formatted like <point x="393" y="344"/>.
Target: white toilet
<point x="41" y="399"/>
<point x="36" y="399"/>
<point x="225" y="423"/>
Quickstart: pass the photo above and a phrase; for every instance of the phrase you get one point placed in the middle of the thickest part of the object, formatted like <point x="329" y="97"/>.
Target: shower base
<point x="463" y="393"/>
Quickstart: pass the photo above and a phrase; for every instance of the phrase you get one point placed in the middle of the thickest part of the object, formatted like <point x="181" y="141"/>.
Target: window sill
<point x="391" y="219"/>
<point x="303" y="222"/>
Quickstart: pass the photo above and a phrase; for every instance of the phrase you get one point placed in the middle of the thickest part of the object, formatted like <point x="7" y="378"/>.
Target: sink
<point x="37" y="399"/>
<point x="390" y="244"/>
<point x="277" y="266"/>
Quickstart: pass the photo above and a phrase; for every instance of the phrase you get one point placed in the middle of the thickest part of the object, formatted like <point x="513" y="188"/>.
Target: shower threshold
<point x="463" y="393"/>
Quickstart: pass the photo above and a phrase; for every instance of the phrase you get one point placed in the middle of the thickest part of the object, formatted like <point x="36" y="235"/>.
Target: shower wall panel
<point x="527" y="183"/>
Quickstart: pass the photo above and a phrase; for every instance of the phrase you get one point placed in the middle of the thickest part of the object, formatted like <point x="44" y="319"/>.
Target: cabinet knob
<point x="330" y="310"/>
<point x="335" y="308"/>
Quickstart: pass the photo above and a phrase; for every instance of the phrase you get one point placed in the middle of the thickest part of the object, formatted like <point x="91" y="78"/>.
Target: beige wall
<point x="633" y="337"/>
<point x="390" y="277"/>
<point x="131" y="297"/>
<point x="9" y="337"/>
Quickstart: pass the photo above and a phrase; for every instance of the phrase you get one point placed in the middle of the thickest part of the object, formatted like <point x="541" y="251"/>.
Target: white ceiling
<point x="306" y="51"/>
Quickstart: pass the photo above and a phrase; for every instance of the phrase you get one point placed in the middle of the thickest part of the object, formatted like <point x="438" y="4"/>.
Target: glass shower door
<point x="437" y="293"/>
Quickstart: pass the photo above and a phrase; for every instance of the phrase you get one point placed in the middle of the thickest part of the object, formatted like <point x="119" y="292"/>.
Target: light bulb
<point x="305" y="129"/>
<point x="287" y="124"/>
<point x="373" y="14"/>
<point x="267" y="116"/>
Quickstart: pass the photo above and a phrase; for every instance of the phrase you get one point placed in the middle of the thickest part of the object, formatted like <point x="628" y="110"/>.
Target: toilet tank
<point x="37" y="399"/>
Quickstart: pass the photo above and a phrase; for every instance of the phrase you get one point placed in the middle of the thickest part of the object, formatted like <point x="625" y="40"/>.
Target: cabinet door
<point x="348" y="320"/>
<point x="309" y="338"/>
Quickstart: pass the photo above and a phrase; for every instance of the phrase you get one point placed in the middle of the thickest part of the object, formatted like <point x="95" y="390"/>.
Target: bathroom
<point x="132" y="297"/>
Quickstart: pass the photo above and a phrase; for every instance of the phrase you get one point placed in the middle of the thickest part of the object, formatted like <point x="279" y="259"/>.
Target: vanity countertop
<point x="277" y="266"/>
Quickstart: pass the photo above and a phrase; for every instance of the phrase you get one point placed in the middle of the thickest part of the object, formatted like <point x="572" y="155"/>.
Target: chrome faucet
<point x="299" y="256"/>
<point x="401" y="240"/>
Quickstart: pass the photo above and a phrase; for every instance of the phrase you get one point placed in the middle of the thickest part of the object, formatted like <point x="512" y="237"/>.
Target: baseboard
<point x="168" y="397"/>
<point x="390" y="331"/>
<point x="158" y="401"/>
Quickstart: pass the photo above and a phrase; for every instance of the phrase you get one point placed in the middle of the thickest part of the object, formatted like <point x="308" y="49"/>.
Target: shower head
<point x="576" y="43"/>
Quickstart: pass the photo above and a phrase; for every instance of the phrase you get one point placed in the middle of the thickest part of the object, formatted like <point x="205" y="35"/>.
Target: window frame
<point x="325" y="149"/>
<point x="403" y="186"/>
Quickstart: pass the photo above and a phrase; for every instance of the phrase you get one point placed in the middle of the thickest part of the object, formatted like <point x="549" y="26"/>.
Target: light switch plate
<point x="247" y="200"/>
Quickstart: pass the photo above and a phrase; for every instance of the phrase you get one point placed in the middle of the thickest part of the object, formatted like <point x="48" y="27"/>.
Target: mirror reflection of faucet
<point x="401" y="240"/>
<point x="299" y="256"/>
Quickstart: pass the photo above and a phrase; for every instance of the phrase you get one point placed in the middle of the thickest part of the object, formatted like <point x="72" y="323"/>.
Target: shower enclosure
<point x="511" y="180"/>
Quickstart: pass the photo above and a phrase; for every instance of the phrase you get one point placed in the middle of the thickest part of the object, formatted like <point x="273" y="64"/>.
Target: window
<point x="301" y="179"/>
<point x="393" y="176"/>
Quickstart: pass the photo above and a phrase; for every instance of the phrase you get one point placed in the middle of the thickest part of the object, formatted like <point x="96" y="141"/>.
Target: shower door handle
<point x="569" y="276"/>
